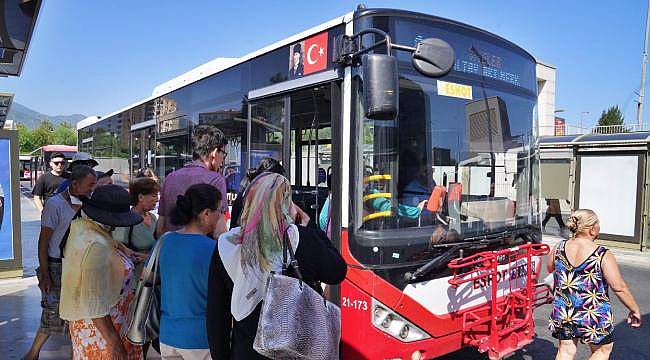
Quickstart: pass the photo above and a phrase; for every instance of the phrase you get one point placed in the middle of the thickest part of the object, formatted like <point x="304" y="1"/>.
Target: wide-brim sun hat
<point x="111" y="205"/>
<point x="84" y="158"/>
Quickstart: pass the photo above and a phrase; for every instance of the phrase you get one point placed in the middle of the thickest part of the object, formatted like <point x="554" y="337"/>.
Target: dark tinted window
<point x="110" y="145"/>
<point x="270" y="68"/>
<point x="223" y="88"/>
<point x="140" y="113"/>
<point x="470" y="132"/>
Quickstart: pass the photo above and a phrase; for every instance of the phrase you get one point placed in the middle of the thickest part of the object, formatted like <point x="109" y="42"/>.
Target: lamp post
<point x="644" y="62"/>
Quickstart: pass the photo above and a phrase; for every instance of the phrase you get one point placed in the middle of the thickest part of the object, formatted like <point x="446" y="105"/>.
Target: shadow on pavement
<point x="630" y="343"/>
<point x="464" y="354"/>
<point x="20" y="315"/>
<point x="30" y="232"/>
<point x="540" y="348"/>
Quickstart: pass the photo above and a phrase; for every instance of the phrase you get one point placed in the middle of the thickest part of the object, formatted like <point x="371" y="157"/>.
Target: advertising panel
<point x="10" y="246"/>
<point x="609" y="186"/>
<point x="559" y="126"/>
<point x="6" y="226"/>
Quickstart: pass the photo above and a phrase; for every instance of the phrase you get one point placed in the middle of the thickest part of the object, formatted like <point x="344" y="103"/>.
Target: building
<point x="546" y="98"/>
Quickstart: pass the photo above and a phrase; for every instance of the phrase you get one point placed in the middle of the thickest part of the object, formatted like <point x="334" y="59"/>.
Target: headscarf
<point x="264" y="220"/>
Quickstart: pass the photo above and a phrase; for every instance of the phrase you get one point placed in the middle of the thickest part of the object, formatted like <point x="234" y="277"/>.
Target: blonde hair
<point x="581" y="220"/>
<point x="264" y="219"/>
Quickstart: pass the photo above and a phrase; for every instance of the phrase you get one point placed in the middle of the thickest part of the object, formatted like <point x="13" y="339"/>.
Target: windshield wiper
<point x="437" y="263"/>
<point x="441" y="261"/>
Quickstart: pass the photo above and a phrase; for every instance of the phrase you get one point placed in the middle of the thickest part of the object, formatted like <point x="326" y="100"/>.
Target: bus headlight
<point x="394" y="325"/>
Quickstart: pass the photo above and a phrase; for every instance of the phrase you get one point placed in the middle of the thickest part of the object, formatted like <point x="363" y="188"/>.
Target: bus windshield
<point x="459" y="162"/>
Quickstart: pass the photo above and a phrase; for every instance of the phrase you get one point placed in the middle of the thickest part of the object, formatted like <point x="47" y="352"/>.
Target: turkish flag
<point x="315" y="53"/>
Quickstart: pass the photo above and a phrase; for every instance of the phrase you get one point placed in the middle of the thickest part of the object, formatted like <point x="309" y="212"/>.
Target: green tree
<point x="24" y="139"/>
<point x="43" y="134"/>
<point x="65" y="134"/>
<point x="612" y="116"/>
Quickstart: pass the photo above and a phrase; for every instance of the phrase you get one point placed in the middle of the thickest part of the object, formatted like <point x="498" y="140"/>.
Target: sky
<point x="95" y="57"/>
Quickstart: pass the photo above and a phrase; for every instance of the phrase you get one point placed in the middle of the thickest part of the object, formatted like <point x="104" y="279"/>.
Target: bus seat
<point x="434" y="204"/>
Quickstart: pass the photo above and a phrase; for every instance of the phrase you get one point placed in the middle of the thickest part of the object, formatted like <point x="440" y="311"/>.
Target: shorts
<point x="174" y="353"/>
<point x="51" y="323"/>
<point x="564" y="335"/>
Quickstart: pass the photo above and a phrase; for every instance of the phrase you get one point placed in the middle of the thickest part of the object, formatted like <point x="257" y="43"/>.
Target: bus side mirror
<point x="433" y="57"/>
<point x="380" y="86"/>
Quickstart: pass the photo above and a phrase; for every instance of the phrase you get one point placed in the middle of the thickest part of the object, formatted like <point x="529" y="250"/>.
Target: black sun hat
<point x="110" y="205"/>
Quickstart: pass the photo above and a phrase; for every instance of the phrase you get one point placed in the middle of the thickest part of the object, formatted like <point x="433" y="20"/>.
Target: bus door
<point x="143" y="145"/>
<point x="311" y="149"/>
<point x="296" y="129"/>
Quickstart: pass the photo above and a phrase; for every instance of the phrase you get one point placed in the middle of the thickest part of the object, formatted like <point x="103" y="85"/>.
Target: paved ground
<point x="20" y="298"/>
<point x="20" y="309"/>
<point x="631" y="344"/>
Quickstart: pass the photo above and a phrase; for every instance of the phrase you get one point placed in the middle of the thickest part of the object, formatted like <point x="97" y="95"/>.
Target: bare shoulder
<point x="608" y="255"/>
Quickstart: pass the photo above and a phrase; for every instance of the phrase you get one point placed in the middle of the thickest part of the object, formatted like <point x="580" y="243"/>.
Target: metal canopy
<point x="17" y="21"/>
<point x="591" y="139"/>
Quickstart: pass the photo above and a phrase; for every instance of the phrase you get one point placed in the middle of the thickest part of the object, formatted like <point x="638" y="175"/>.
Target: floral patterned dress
<point x="87" y="341"/>
<point x="581" y="306"/>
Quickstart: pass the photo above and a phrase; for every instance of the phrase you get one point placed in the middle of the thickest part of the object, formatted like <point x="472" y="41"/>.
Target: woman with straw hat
<point x="97" y="272"/>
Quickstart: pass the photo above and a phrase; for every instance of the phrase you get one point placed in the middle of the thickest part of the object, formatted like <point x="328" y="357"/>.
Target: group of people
<point x="96" y="239"/>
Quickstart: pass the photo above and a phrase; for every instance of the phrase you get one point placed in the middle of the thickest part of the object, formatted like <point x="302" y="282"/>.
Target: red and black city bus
<point x="428" y="129"/>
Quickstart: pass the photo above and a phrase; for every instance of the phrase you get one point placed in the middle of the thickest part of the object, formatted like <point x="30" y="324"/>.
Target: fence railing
<point x="601" y="129"/>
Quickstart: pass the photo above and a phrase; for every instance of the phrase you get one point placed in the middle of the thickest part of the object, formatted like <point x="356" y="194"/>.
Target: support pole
<point x="639" y="112"/>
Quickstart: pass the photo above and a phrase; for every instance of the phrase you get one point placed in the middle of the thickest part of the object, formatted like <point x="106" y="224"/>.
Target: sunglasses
<point x="58" y="162"/>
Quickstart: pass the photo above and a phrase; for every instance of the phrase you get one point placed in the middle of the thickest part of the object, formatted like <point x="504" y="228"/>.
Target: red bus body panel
<point x="361" y="340"/>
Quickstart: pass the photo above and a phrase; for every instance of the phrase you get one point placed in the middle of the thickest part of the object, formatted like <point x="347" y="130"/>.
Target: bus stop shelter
<point x="607" y="173"/>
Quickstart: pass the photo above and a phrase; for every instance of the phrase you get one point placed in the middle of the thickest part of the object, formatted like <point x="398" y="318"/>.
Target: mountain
<point x="30" y="118"/>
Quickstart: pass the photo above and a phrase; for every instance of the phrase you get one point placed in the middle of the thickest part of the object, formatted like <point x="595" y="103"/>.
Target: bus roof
<point x="220" y="64"/>
<point x="216" y="66"/>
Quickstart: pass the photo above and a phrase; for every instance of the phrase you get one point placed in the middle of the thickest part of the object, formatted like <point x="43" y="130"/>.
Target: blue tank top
<point x="184" y="268"/>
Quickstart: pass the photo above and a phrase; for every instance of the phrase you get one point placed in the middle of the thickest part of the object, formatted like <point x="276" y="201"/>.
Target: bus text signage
<point x="451" y="89"/>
